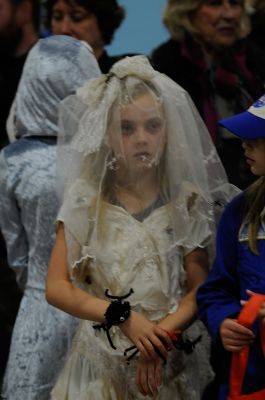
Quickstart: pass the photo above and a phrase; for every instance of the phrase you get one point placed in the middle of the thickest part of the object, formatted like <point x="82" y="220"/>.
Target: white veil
<point x="196" y="186"/>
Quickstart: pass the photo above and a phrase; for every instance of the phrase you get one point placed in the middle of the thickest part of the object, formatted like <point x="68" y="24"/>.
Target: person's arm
<point x="196" y="267"/>
<point x="11" y="223"/>
<point x="61" y="293"/>
<point x="149" y="375"/>
<point x="149" y="372"/>
<point x="219" y="297"/>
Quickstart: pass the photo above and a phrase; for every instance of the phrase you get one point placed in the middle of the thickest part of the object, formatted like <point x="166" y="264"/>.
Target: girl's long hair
<point x="255" y="196"/>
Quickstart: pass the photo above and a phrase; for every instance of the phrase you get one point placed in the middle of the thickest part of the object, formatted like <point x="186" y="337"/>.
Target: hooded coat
<point x="56" y="67"/>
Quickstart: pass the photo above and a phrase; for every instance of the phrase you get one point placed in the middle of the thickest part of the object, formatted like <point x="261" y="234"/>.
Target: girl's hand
<point x="250" y="293"/>
<point x="262" y="308"/>
<point x="149" y="375"/>
<point x="146" y="336"/>
<point x="235" y="336"/>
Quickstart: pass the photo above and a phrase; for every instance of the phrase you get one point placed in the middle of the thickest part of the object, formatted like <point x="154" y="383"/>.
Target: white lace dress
<point x="131" y="254"/>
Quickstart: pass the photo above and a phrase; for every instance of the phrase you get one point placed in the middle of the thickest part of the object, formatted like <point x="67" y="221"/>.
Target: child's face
<point x="255" y="155"/>
<point x="137" y="135"/>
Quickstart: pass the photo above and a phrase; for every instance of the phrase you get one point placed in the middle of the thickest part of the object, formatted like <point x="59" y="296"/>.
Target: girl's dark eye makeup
<point x="127" y="128"/>
<point x="154" y="125"/>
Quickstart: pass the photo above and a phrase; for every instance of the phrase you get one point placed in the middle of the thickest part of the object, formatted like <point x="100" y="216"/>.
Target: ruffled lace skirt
<point x="94" y="371"/>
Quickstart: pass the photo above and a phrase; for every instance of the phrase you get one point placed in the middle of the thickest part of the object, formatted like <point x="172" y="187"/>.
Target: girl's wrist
<point x="168" y="325"/>
<point x="117" y="313"/>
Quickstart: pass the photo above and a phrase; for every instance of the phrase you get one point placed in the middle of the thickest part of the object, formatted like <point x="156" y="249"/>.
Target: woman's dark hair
<point x="108" y="13"/>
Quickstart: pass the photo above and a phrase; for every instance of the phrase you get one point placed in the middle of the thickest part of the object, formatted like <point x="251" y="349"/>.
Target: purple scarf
<point x="230" y="78"/>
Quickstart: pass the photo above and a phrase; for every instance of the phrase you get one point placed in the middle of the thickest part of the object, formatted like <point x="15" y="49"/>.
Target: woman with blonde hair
<point x="210" y="56"/>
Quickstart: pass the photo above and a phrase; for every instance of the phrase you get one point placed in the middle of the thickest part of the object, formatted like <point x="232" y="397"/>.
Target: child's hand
<point x="262" y="308"/>
<point x="235" y="336"/>
<point x="250" y="293"/>
<point x="149" y="338"/>
<point x="149" y="375"/>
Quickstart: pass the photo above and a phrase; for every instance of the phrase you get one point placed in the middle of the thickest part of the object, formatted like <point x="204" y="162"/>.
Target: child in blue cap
<point x="239" y="267"/>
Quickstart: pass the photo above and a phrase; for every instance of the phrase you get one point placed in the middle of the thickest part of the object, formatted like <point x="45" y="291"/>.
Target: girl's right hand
<point x="149" y="338"/>
<point x="235" y="336"/>
<point x="149" y="375"/>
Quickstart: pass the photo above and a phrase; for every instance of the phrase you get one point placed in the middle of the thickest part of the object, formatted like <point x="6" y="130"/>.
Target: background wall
<point x="142" y="29"/>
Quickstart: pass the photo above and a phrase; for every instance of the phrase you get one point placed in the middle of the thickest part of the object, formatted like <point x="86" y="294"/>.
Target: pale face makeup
<point x="218" y="22"/>
<point x="137" y="135"/>
<point x="255" y="155"/>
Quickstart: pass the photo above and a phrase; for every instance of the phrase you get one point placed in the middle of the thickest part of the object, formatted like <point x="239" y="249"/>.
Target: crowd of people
<point x="131" y="202"/>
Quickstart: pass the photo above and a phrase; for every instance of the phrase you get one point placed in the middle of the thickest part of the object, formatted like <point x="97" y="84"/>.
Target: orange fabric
<point x="239" y="361"/>
<point x="175" y="335"/>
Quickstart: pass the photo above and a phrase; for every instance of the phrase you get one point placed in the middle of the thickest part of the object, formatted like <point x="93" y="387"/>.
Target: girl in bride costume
<point x="144" y="186"/>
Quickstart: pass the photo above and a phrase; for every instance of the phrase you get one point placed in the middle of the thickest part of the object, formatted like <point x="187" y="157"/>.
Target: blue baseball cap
<point x="249" y="124"/>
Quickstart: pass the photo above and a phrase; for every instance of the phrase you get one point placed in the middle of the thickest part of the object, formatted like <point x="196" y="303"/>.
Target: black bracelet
<point x="117" y="312"/>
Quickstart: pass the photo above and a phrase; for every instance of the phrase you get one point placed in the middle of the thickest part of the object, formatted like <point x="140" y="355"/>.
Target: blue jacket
<point x="235" y="270"/>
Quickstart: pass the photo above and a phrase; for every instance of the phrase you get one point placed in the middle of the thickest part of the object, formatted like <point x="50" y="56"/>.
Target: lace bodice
<point x="134" y="254"/>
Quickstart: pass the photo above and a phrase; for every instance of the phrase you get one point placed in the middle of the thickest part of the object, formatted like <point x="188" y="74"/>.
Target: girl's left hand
<point x="262" y="308"/>
<point x="149" y="375"/>
<point x="148" y="337"/>
<point x="249" y="293"/>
